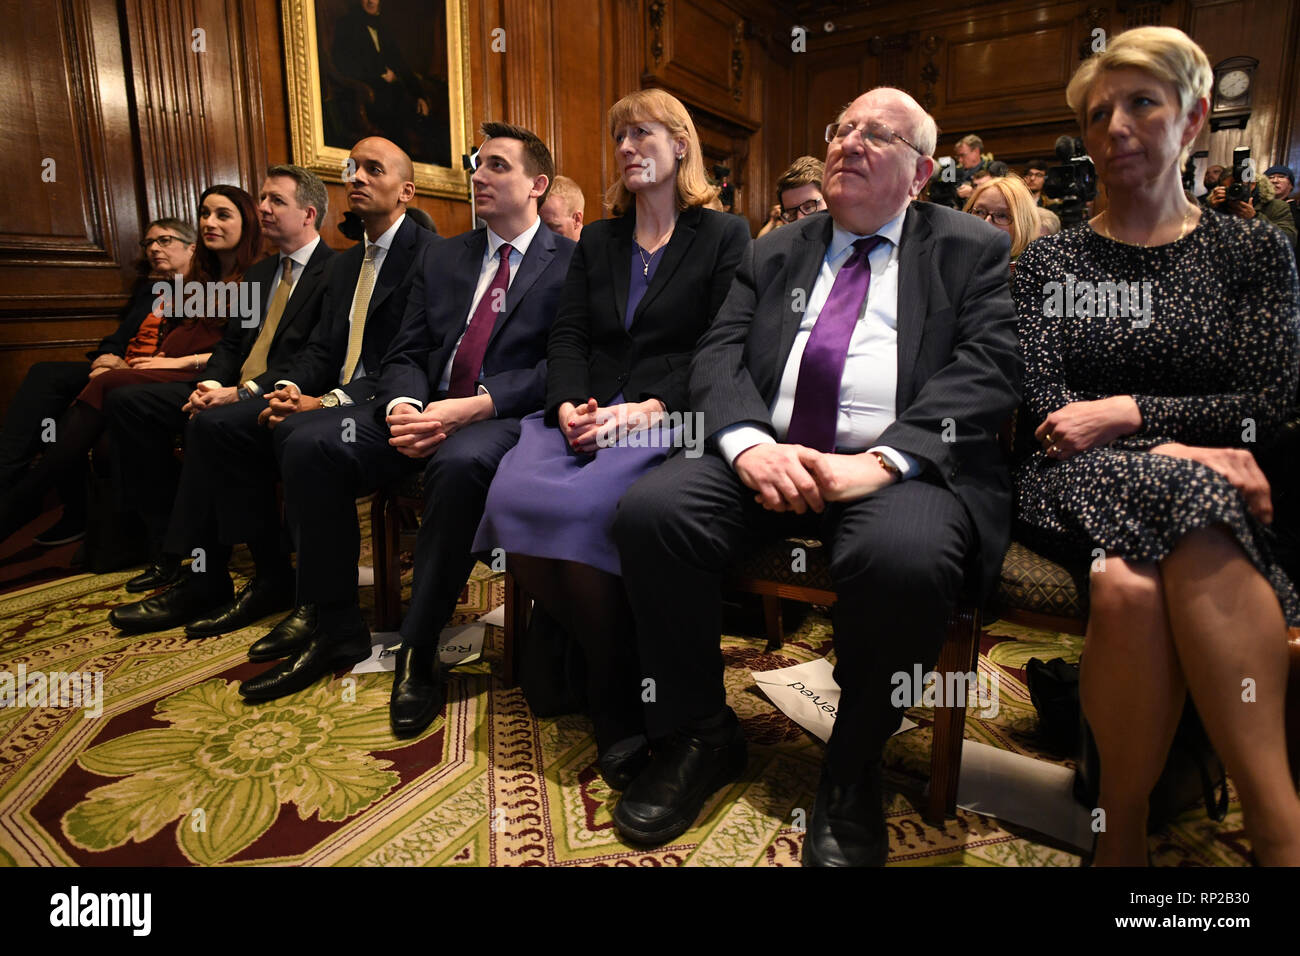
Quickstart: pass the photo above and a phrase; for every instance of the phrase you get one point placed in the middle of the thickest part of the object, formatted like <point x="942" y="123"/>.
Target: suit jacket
<point x="316" y="370"/>
<point x="591" y="354"/>
<point x="295" y="327"/>
<point x="514" y="366"/>
<point x="129" y="320"/>
<point x="959" y="361"/>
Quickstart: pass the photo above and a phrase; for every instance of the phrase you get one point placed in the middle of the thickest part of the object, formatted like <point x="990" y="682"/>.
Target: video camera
<point x="1073" y="182"/>
<point x="1242" y="176"/>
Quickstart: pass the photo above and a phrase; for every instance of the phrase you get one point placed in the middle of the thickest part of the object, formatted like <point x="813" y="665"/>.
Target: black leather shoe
<point x="620" y="765"/>
<point x="255" y="600"/>
<point x="323" y="655"/>
<point x="291" y="634"/>
<point x="418" y="690"/>
<point x="848" y="823"/>
<point x="163" y="573"/>
<point x="195" y="596"/>
<point x="663" y="801"/>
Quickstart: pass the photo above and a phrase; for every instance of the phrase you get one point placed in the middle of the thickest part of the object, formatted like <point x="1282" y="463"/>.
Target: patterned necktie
<point x="473" y="345"/>
<point x="817" y="393"/>
<point x="360" y="306"/>
<point x="255" y="364"/>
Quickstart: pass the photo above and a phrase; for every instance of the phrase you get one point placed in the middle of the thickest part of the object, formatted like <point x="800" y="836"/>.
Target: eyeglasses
<point x="877" y="133"/>
<point x="164" y="242"/>
<point x="999" y="218"/>
<point x="807" y="208"/>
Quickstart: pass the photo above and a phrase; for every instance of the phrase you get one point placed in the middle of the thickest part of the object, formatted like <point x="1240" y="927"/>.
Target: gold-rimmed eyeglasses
<point x="876" y="132"/>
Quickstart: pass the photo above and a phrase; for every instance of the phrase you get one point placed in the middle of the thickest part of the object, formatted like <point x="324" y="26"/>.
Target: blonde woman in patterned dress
<point x="1145" y="405"/>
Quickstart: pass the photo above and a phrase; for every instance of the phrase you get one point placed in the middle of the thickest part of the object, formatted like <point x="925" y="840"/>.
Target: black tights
<point x="62" y="464"/>
<point x="591" y="605"/>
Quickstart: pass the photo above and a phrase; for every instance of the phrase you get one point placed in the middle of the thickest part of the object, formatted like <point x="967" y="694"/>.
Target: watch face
<point x="1233" y="84"/>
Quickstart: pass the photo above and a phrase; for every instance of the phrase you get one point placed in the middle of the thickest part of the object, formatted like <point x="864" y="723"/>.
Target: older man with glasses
<point x="852" y="387"/>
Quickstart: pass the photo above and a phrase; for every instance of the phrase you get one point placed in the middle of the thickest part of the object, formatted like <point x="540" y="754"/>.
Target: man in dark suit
<point x="852" y="386"/>
<point x="469" y="361"/>
<point x="145" y="419"/>
<point x="227" y="488"/>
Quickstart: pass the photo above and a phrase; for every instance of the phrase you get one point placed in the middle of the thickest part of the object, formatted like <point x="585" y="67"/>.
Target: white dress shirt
<point x="870" y="380"/>
<point x="487" y="271"/>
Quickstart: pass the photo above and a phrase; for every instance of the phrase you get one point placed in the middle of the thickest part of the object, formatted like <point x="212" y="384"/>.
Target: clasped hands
<point x="286" y="401"/>
<point x="589" y="427"/>
<point x="798" y="478"/>
<point x="1079" y="426"/>
<point x="416" y="433"/>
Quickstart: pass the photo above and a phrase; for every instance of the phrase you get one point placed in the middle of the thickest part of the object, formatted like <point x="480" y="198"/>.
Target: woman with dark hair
<point x="230" y="237"/>
<point x="1146" y="405"/>
<point x="641" y="289"/>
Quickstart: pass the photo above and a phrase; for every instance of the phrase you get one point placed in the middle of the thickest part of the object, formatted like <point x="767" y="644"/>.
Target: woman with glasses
<point x="641" y="289"/>
<point x="1173" y="354"/>
<point x="1007" y="205"/>
<point x="167" y="348"/>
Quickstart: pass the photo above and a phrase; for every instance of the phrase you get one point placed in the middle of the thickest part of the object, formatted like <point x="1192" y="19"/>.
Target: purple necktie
<point x="473" y="344"/>
<point x="817" y="393"/>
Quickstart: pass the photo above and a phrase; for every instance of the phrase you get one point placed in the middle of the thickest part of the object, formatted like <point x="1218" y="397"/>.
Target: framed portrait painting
<point x="392" y="68"/>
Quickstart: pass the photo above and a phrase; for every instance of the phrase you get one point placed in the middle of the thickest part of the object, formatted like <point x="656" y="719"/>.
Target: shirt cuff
<point x="211" y="383"/>
<point x="252" y="388"/>
<point x="738" y="438"/>
<point x="343" y="397"/>
<point x="482" y="390"/>
<point x="907" y="466"/>
<point x="282" y="382"/>
<point x="403" y="400"/>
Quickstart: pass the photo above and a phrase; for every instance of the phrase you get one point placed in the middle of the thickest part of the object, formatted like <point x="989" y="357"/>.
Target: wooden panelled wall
<point x="110" y="96"/>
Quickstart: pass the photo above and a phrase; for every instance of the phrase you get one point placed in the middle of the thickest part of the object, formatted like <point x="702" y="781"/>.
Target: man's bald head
<point x="381" y="182"/>
<point x="878" y="159"/>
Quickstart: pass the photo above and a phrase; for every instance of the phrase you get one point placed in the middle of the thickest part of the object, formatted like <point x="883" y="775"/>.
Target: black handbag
<point x="552" y="669"/>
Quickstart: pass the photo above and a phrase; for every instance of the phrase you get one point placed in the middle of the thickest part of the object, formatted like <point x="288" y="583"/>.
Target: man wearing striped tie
<point x="852" y="388"/>
<point x="227" y="486"/>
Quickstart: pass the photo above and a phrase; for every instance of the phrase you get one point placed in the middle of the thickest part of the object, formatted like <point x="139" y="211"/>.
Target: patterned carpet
<point x="178" y="771"/>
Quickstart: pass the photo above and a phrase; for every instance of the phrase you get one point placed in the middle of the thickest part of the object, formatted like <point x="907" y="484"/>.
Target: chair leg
<point x="772" y="622"/>
<point x="960" y="654"/>
<point x="379" y="558"/>
<point x="516" y="627"/>
<point x="391" y="595"/>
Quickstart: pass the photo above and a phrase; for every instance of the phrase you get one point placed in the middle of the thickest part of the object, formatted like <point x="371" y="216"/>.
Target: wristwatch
<point x="329" y="400"/>
<point x="888" y="465"/>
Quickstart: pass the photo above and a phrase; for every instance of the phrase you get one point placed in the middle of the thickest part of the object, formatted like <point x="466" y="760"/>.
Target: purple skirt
<point x="548" y="502"/>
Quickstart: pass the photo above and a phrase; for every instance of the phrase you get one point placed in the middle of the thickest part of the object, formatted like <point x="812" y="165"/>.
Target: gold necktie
<point x="360" y="306"/>
<point x="255" y="364"/>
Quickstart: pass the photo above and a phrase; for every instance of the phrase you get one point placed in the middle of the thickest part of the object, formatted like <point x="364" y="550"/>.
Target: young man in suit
<point x="145" y="419"/>
<point x="227" y="488"/>
<point x="852" y="386"/>
<point x="468" y="363"/>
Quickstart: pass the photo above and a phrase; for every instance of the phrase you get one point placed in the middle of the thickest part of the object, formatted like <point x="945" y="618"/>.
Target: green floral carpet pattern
<point x="179" y="771"/>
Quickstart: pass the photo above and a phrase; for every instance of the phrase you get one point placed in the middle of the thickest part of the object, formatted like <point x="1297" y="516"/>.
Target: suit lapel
<point x="620" y="255"/>
<point x="914" y="266"/>
<point x="806" y="259"/>
<point x="535" y="262"/>
<point x="674" y="255"/>
<point x="396" y="261"/>
<point x="310" y="274"/>
<point x="459" y="286"/>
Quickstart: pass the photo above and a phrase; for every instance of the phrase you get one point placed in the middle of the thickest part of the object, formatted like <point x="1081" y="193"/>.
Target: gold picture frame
<point x="326" y="102"/>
